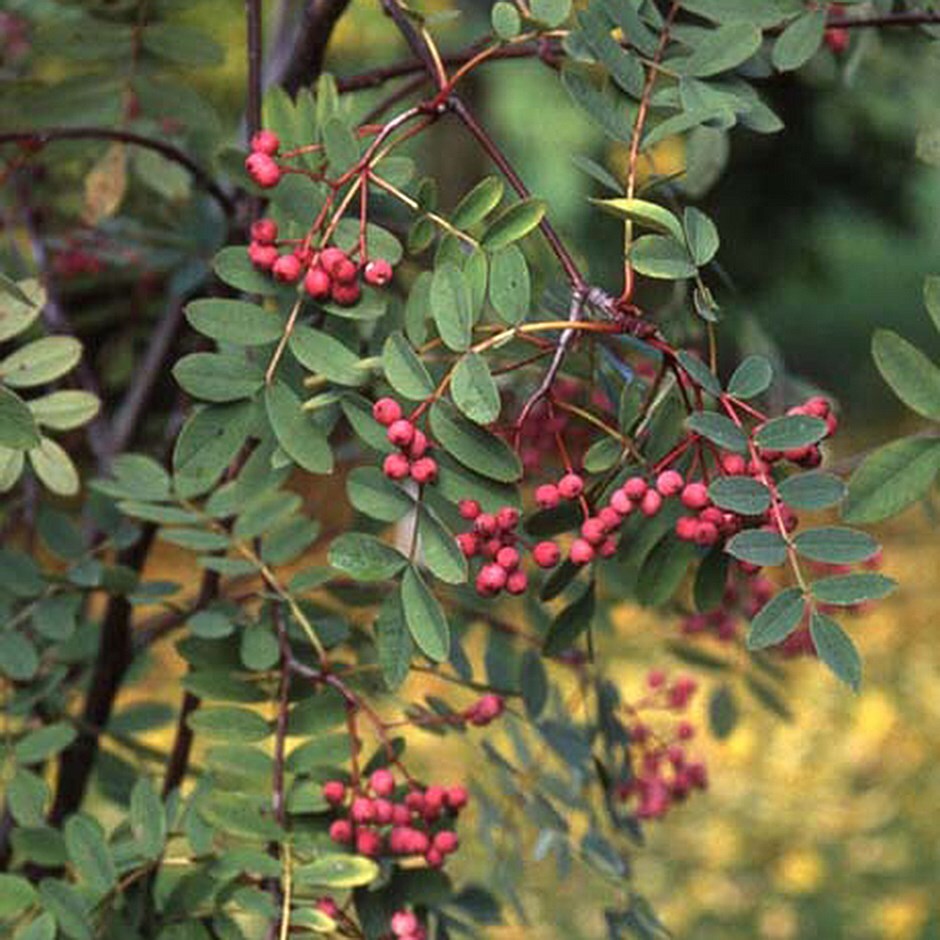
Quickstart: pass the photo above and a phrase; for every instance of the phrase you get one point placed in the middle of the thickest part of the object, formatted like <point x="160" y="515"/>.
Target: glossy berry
<point x="403" y="923"/>
<point x="491" y="579"/>
<point x="593" y="531"/>
<point x="263" y="170"/>
<point x="446" y="842"/>
<point x="581" y="552"/>
<point x="635" y="488"/>
<point x="378" y="272"/>
<point x="264" y="231"/>
<point x="424" y="470"/>
<point x="734" y="465"/>
<point x="469" y="509"/>
<point x="669" y="483"/>
<point x="382" y="782"/>
<point x="469" y="544"/>
<point x="486" y="709"/>
<point x="485" y="523"/>
<point x="507" y="558"/>
<point x="396" y="466"/>
<point x="401" y="432"/>
<point x="547" y="496"/>
<point x="546" y="554"/>
<point x="386" y="411"/>
<point x="457" y="798"/>
<point x="317" y="283"/>
<point x="651" y="503"/>
<point x="507" y="518"/>
<point x="286" y="269"/>
<point x="334" y="792"/>
<point x="695" y="496"/>
<point x="362" y="810"/>
<point x="621" y="503"/>
<point x="610" y="519"/>
<point x="570" y="486"/>
<point x="265" y="142"/>
<point x="262" y="256"/>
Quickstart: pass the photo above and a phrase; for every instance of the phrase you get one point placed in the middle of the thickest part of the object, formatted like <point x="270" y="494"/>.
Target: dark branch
<point x="49" y="134"/>
<point x="254" y="30"/>
<point x="305" y="62"/>
<point x="910" y="18"/>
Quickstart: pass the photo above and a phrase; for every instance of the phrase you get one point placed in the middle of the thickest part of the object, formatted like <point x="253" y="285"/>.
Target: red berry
<point x="446" y="842"/>
<point x="670" y="483"/>
<point x="635" y="488"/>
<point x="287" y="269"/>
<point x="581" y="552"/>
<point x="547" y="496"/>
<point x="695" y="496"/>
<point x="508" y="558"/>
<point x="424" y="470"/>
<point x="734" y="465"/>
<point x="434" y="858"/>
<point x="317" y="283"/>
<point x="330" y="257"/>
<point x="362" y="810"/>
<point x="341" y="831"/>
<point x="607" y="548"/>
<point x="485" y="524"/>
<point x="262" y="256"/>
<point x="382" y="782"/>
<point x="264" y="231"/>
<point x="328" y="906"/>
<point x="419" y="445"/>
<point x="546" y="554"/>
<point x="837" y="39"/>
<point x="378" y="272"/>
<point x="469" y="544"/>
<point x="344" y="271"/>
<point x="706" y="534"/>
<point x="593" y="531"/>
<point x="334" y="792"/>
<point x="346" y="295"/>
<point x="610" y="518"/>
<point x="656" y="678"/>
<point x="386" y="411"/>
<point x="403" y="923"/>
<point x="517" y="582"/>
<point x="396" y="466"/>
<point x="651" y="503"/>
<point x="401" y="432"/>
<point x="686" y="528"/>
<point x="368" y="842"/>
<point x="265" y="142"/>
<point x="492" y="578"/>
<point x="685" y="730"/>
<point x="457" y="798"/>
<point x="507" y="518"/>
<point x="621" y="504"/>
<point x="817" y="407"/>
<point x="469" y="509"/>
<point x="570" y="486"/>
<point x="486" y="709"/>
<point x="263" y="170"/>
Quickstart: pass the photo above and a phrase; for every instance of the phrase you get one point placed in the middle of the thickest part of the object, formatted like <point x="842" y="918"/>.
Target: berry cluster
<point x="663" y="775"/>
<point x="493" y="538"/>
<point x="745" y="594"/>
<point x="411" y="460"/>
<point x="384" y="819"/>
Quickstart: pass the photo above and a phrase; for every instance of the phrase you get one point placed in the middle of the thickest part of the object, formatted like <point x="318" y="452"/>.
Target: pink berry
<point x="486" y="709"/>
<point x="328" y="906"/>
<point x="607" y="548"/>
<point x="401" y="432"/>
<point x="620" y="503"/>
<point x="547" y="496"/>
<point x="570" y="486"/>
<point x="686" y="528"/>
<point x="386" y="411"/>
<point x="485" y="523"/>
<point x="656" y="678"/>
<point x="669" y="483"/>
<point x="378" y="272"/>
<point x="263" y="170"/>
<point x="382" y="782"/>
<point x="469" y="544"/>
<point x="334" y="792"/>
<point x="635" y="488"/>
<point x="317" y="283"/>
<point x="362" y="810"/>
<point x="368" y="842"/>
<point x="651" y="503"/>
<point x="287" y="269"/>
<point x="685" y="730"/>
<point x="419" y="445"/>
<point x="262" y="257"/>
<point x="264" y="231"/>
<point x="546" y="554"/>
<point x="581" y="552"/>
<point x="265" y="142"/>
<point x="331" y="257"/>
<point x="517" y="583"/>
<point x="344" y="271"/>
<point x="507" y="518"/>
<point x="346" y="295"/>
<point x="457" y="798"/>
<point x="593" y="531"/>
<point x="610" y="518"/>
<point x="705" y="534"/>
<point x="817" y="406"/>
<point x="695" y="496"/>
<point x="403" y="923"/>
<point x="446" y="842"/>
<point x="492" y="578"/>
<point x="434" y="858"/>
<point x="734" y="465"/>
<point x="424" y="470"/>
<point x="341" y="831"/>
<point x="507" y="558"/>
<point x="396" y="466"/>
<point x="469" y="509"/>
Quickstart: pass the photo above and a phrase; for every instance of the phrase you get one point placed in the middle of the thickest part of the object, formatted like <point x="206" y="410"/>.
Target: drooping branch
<point x="305" y="62"/>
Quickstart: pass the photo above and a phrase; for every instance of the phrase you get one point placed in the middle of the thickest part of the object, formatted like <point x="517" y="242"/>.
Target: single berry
<point x="330" y="257"/>
<point x="492" y="578"/>
<point x="669" y="483"/>
<point x="419" y="445"/>
<point x="424" y="470"/>
<point x="262" y="257"/>
<point x="403" y="923"/>
<point x="581" y="552"/>
<point x="656" y="678"/>
<point x="607" y="548"/>
<point x="346" y="295"/>
<point x="264" y="231"/>
<point x="386" y="411"/>
<point x="621" y="504"/>
<point x="384" y="811"/>
<point x="570" y="486"/>
<point x="286" y="269"/>
<point x="469" y="544"/>
<point x="486" y="709"/>
<point x="401" y="432"/>
<point x="734" y="465"/>
<point x="362" y="810"/>
<point x="686" y="528"/>
<point x="265" y="142"/>
<point x="507" y="558"/>
<point x="341" y="831"/>
<point x="706" y="534"/>
<point x="334" y="792"/>
<point x="695" y="496"/>
<point x="457" y="798"/>
<point x="517" y="583"/>
<point x="344" y="271"/>
<point x="446" y="842"/>
<point x="635" y="488"/>
<point x="317" y="283"/>
<point x="593" y="531"/>
<point x="328" y="906"/>
<point x="507" y="518"/>
<point x="485" y="524"/>
<point x="610" y="518"/>
<point x="382" y="782"/>
<point x="378" y="272"/>
<point x="469" y="509"/>
<point x="263" y="170"/>
<point x="396" y="466"/>
<point x="368" y="842"/>
<point x="547" y="496"/>
<point x="651" y="503"/>
<point x="546" y="554"/>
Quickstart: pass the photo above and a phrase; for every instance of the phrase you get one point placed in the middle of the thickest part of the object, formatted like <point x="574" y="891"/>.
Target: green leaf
<point x="574" y="620"/>
<point x="393" y="641"/>
<point x="405" y="372"/>
<point x="648" y="214"/>
<point x="664" y="570"/>
<point x="342" y="149"/>
<point x="439" y="548"/>
<point x="474" y="391"/>
<point x="259" y="650"/>
<point x="931" y="299"/>
<point x="89" y="854"/>
<point x="11" y="467"/>
<point x="799" y="41"/>
<point x="18" y="657"/>
<point x="27" y="795"/>
<point x="815" y="490"/>
<point x="20" y="306"/>
<point x="234" y="268"/>
<point x="911" y="375"/>
<point x="609" y="108"/>
<point x="719" y="430"/>
<point x="720" y="50"/>
<point x="450" y="306"/>
<point x="661" y="257"/>
<point x="699" y="372"/>
<point x="701" y="236"/>
<point x="510" y="290"/>
<point x="514" y="223"/>
<point x="42" y="928"/>
<point x="849" y="589"/>
<point x="474" y="446"/>
<point x="365" y="558"/>
<point x="759" y="547"/>
<point x="136" y="476"/>
<point x="18" y="429"/>
<point x="711" y="579"/>
<point x="505" y="19"/>
<point x="777" y="619"/>
<point x="602" y="455"/>
<point x="424" y="617"/>
<point x="358" y="412"/>
<point x="743" y="495"/>
<point x="68" y="906"/>
<point x="41" y="361"/>
<point x="892" y="478"/>
<point x="836" y="649"/>
<point x="624" y="65"/>
<point x="325" y="355"/>
<point x="337" y="871"/>
<point x="234" y="321"/>
<point x="229" y="723"/>
<point x="631" y="24"/>
<point x="481" y="200"/>
<point x="16" y="894"/>
<point x="722" y="712"/>
<point x="751" y="377"/>
<point x="54" y="467"/>
<point x="238" y="814"/>
<point x="551" y="12"/>
<point x="65" y="410"/>
<point x="835" y="545"/>
<point x="533" y="683"/>
<point x="789" y="432"/>
<point x="182" y="45"/>
<point x="302" y="440"/>
<point x="207" y="444"/>
<point x="218" y="377"/>
<point x="373" y="493"/>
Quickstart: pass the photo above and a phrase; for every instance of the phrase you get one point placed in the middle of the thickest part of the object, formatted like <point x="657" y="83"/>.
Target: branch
<point x="50" y="134"/>
<point x="254" y="31"/>
<point x="911" y="18"/>
<point x="305" y="63"/>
